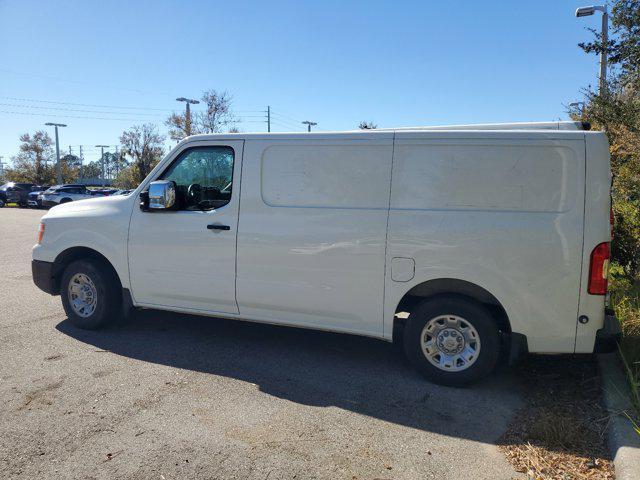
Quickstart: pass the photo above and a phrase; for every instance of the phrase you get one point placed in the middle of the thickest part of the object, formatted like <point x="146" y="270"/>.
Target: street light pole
<point x="187" y="118"/>
<point x="309" y="124"/>
<point x="604" y="35"/>
<point x="58" y="168"/>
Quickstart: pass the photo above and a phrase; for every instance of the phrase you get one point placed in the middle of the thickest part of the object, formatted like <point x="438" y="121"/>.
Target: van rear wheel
<point x="91" y="296"/>
<point x="452" y="340"/>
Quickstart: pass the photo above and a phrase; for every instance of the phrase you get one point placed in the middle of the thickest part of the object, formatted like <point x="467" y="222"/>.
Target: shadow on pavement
<point x="357" y="374"/>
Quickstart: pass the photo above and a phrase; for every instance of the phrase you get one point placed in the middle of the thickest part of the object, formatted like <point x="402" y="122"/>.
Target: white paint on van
<point x="320" y="224"/>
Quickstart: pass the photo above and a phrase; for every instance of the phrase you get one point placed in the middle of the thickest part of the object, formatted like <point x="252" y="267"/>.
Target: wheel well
<point x="449" y="286"/>
<point x="76" y="253"/>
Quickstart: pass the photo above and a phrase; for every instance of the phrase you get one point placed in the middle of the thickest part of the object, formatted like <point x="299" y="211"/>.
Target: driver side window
<point x="203" y="177"/>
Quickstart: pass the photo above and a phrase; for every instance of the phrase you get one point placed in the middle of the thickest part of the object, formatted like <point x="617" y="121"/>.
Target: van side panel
<point x="504" y="212"/>
<point x="596" y="231"/>
<point x="312" y="232"/>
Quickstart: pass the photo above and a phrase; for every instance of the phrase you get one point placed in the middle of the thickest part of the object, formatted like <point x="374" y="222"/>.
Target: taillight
<point x="40" y="233"/>
<point x="599" y="270"/>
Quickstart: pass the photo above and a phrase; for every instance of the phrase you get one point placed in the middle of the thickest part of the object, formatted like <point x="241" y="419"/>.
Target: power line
<point x="243" y="114"/>
<point x="78" y="110"/>
<point x="78" y="82"/>
<point x="287" y="126"/>
<point x="44" y="114"/>
<point x="84" y="104"/>
<point x="286" y="116"/>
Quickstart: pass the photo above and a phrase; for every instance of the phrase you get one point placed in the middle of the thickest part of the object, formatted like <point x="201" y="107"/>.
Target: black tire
<point x="108" y="306"/>
<point x="474" y="314"/>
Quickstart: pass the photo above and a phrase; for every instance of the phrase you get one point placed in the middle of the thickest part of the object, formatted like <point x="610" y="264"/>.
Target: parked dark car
<point x="15" y="192"/>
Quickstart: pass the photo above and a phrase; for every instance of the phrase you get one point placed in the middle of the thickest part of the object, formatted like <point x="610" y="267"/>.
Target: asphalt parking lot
<point x="174" y="396"/>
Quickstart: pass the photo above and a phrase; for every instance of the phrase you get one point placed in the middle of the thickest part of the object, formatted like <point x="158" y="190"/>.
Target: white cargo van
<point x="469" y="244"/>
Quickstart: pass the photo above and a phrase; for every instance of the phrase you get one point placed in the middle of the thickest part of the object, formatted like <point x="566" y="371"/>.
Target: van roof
<point x="566" y="125"/>
<point x="561" y="128"/>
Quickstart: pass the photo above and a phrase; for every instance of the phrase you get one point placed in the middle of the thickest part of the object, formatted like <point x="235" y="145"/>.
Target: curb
<point x="624" y="442"/>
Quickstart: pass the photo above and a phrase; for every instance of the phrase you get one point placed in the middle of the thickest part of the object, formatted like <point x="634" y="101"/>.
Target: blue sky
<point x="396" y="63"/>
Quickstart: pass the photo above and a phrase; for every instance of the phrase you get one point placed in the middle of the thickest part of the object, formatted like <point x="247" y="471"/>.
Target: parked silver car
<point x="64" y="193"/>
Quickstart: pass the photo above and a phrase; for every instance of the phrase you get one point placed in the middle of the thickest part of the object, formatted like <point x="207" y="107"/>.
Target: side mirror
<point x="161" y="195"/>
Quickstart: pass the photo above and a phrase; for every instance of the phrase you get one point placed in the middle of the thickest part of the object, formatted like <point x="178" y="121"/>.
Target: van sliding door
<point x="312" y="232"/>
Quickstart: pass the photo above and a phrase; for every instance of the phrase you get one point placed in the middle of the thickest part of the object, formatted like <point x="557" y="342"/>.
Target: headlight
<point x="40" y="233"/>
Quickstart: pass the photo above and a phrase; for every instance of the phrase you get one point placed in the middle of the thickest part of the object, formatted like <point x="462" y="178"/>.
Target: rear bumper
<point x="608" y="336"/>
<point x="42" y="273"/>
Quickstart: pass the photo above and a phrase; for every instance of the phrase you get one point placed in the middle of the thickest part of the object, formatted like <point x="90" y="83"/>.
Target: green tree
<point x="92" y="170"/>
<point x="144" y="146"/>
<point x="616" y="110"/>
<point x="72" y="161"/>
<point x="127" y="178"/>
<point x="36" y="160"/>
<point x="216" y="117"/>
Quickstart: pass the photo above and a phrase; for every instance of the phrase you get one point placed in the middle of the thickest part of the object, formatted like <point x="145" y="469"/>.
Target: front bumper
<point x="608" y="336"/>
<point x="49" y="203"/>
<point x="42" y="273"/>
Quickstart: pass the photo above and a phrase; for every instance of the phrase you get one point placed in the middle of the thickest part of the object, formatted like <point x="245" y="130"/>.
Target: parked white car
<point x="64" y="194"/>
<point x="468" y="244"/>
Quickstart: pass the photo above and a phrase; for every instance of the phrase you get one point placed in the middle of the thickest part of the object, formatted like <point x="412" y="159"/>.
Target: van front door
<point x="186" y="259"/>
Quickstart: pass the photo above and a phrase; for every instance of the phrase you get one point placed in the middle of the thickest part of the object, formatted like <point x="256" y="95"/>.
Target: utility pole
<point x="604" y="35"/>
<point x="117" y="162"/>
<point x="309" y="124"/>
<point x="187" y="117"/>
<point x="102" y="147"/>
<point x="268" y="119"/>
<point x="58" y="168"/>
<point x="81" y="163"/>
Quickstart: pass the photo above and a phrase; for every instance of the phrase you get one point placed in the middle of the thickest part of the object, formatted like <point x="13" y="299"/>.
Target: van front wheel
<point x="90" y="295"/>
<point x="452" y="340"/>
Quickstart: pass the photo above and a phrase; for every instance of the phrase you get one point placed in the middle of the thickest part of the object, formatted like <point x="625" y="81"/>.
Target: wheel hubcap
<point x="83" y="295"/>
<point x="450" y="343"/>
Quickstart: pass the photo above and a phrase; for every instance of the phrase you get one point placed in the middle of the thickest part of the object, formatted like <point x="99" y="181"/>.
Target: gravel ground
<point x="175" y="396"/>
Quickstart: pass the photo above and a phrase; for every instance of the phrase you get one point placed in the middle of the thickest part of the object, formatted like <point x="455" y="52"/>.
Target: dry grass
<point x="625" y="299"/>
<point x="560" y="433"/>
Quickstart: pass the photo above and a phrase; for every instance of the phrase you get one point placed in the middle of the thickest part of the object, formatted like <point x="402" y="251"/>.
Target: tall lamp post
<point x="586" y="12"/>
<point x="187" y="117"/>
<point x="58" y="169"/>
